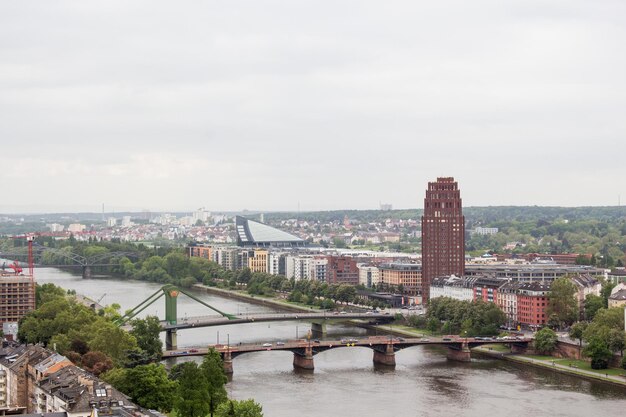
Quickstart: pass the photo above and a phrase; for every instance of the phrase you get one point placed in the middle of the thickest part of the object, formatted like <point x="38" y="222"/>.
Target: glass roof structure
<point x="253" y="233"/>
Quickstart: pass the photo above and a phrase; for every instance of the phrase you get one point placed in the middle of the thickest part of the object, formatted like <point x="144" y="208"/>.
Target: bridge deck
<point x="397" y="342"/>
<point x="206" y="321"/>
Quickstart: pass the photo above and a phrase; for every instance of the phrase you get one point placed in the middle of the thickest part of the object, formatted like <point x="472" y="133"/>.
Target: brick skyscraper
<point x="443" y="233"/>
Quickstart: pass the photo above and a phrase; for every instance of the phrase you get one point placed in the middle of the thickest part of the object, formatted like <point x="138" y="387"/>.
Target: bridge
<point x="74" y="259"/>
<point x="383" y="347"/>
<point x="172" y="323"/>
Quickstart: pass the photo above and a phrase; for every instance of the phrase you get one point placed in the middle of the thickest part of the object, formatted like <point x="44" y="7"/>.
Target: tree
<point x="617" y="341"/>
<point x="563" y="304"/>
<point x="111" y="340"/>
<point x="599" y="353"/>
<point x="545" y="340"/>
<point x="147" y="332"/>
<point x="96" y="362"/>
<point x="577" y="331"/>
<point x="212" y="369"/>
<point x="192" y="397"/>
<point x="147" y="385"/>
<point x="433" y="324"/>
<point x="593" y="303"/>
<point x="605" y="292"/>
<point x="245" y="408"/>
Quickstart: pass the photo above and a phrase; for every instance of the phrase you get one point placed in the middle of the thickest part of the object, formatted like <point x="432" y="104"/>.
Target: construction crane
<point x="31" y="262"/>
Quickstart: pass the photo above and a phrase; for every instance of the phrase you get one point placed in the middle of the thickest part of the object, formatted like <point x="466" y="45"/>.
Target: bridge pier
<point x="171" y="339"/>
<point x="387" y="358"/>
<point x="318" y="329"/>
<point x="86" y="271"/>
<point x="227" y="359"/>
<point x="304" y="361"/>
<point x="461" y="354"/>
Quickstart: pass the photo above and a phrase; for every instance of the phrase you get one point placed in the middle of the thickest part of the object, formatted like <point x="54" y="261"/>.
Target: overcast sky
<point x="268" y="105"/>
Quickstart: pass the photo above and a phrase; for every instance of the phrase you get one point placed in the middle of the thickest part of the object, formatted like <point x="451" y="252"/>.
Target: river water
<point x="345" y="382"/>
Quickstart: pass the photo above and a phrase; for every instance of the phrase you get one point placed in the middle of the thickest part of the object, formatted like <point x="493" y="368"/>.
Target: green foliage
<point x="598" y="351"/>
<point x="192" y="396"/>
<point x="62" y="322"/>
<point x="147" y="385"/>
<point x="617" y="340"/>
<point x="604" y="336"/>
<point x="245" y="408"/>
<point x="593" y="303"/>
<point x="46" y="292"/>
<point x="577" y="331"/>
<point x="146" y="332"/>
<point x="563" y="305"/>
<point x="605" y="292"/>
<point x="545" y="340"/>
<point x="474" y="317"/>
<point x="623" y="362"/>
<point x="212" y="369"/>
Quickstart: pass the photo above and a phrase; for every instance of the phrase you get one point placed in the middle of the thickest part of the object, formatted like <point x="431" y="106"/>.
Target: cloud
<point x="332" y="104"/>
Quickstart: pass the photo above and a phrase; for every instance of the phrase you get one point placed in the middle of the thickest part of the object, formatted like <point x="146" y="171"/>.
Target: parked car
<point x="267" y="345"/>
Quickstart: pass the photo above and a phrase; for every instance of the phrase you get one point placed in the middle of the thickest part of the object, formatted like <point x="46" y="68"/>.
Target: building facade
<point x="17" y="297"/>
<point x="409" y="276"/>
<point x="342" y="270"/>
<point x="443" y="232"/>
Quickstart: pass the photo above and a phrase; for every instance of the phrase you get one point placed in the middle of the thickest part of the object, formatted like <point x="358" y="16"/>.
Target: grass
<point x="586" y="366"/>
<point x="539" y="357"/>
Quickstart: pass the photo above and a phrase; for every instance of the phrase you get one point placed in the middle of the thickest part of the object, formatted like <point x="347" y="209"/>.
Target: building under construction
<point x="17" y="291"/>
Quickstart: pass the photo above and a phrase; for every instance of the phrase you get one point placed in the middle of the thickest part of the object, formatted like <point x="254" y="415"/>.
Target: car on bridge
<point x="266" y="345"/>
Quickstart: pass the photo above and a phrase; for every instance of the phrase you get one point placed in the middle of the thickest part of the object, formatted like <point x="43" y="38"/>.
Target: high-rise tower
<point x="443" y="233"/>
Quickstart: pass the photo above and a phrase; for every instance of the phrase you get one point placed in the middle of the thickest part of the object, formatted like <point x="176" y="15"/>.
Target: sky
<point x="310" y="105"/>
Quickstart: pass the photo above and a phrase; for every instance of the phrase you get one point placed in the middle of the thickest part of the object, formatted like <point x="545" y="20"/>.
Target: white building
<point x="453" y="287"/>
<point x="369" y="275"/>
<point x="202" y="215"/>
<point x="76" y="228"/>
<point x="482" y="231"/>
<point x="55" y="227"/>
<point x="126" y="221"/>
<point x="111" y="222"/>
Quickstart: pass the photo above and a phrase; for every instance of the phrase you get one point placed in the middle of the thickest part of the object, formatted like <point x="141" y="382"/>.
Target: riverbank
<point x="564" y="366"/>
<point x="254" y="299"/>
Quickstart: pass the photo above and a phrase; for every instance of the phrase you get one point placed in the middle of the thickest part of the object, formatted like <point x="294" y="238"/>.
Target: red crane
<point x="31" y="261"/>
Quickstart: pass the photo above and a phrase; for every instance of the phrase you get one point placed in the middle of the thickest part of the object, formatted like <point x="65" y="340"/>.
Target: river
<point x="345" y="382"/>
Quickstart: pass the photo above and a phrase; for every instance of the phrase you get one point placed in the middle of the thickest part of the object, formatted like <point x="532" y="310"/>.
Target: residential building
<point x="532" y="301"/>
<point x="459" y="288"/>
<point x="486" y="288"/>
<point x="506" y="299"/>
<point x="369" y="275"/>
<point x="126" y="222"/>
<point x="618" y="299"/>
<point x="258" y="261"/>
<point x="76" y="228"/>
<point x="200" y="251"/>
<point x="443" y="232"/>
<point x="409" y="276"/>
<point x="342" y="270"/>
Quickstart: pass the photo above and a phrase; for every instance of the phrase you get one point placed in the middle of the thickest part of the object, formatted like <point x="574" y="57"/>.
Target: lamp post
<point x="218" y="337"/>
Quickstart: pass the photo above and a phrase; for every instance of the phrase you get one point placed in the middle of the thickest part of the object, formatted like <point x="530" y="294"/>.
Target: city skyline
<point x="287" y="107"/>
